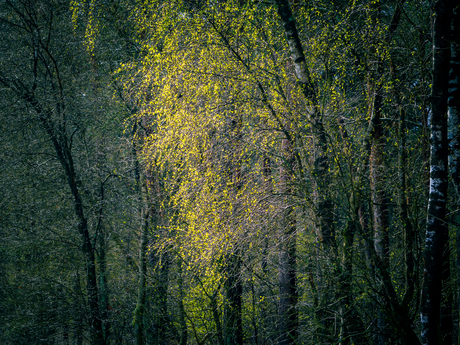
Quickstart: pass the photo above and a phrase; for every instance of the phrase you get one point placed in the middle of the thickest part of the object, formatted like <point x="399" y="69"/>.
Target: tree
<point x="237" y="171"/>
<point x="53" y="141"/>
<point x="437" y="231"/>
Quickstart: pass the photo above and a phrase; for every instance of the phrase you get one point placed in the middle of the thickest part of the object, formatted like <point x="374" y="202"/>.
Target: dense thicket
<point x="229" y="172"/>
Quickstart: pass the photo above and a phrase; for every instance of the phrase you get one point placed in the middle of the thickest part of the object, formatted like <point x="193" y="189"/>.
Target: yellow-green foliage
<point x="88" y="12"/>
<point x="216" y="88"/>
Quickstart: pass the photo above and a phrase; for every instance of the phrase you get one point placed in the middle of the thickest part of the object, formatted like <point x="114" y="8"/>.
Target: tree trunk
<point x="103" y="288"/>
<point x="436" y="229"/>
<point x="164" y="325"/>
<point x="376" y="163"/>
<point x="216" y="317"/>
<point x="233" y="326"/>
<point x="453" y="115"/>
<point x="58" y="137"/>
<point x="379" y="209"/>
<point x="141" y="293"/>
<point x="379" y="199"/>
<point x="64" y="154"/>
<point x="234" y="291"/>
<point x="324" y="204"/>
<point x="351" y="325"/>
<point x="91" y="286"/>
<point x="142" y="190"/>
<point x="182" y="315"/>
<point x="78" y="319"/>
<point x="288" y="313"/>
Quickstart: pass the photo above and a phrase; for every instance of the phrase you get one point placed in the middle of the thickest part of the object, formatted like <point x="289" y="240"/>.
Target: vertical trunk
<point x="287" y="260"/>
<point x="233" y="286"/>
<point x="182" y="316"/>
<point x="350" y="324"/>
<point x="254" y="318"/>
<point x="164" y="322"/>
<point x="64" y="153"/>
<point x="380" y="212"/>
<point x="142" y="188"/>
<point x="453" y="115"/>
<point x="398" y="313"/>
<point x="409" y="236"/>
<point x="376" y="166"/>
<point x="263" y="319"/>
<point x="233" y="283"/>
<point x="287" y="282"/>
<point x="52" y="115"/>
<point x="379" y="200"/>
<point x="91" y="286"/>
<point x="140" y="304"/>
<point x="103" y="288"/>
<point x="436" y="229"/>
<point x="216" y="318"/>
<point x="324" y="204"/>
<point x="78" y="321"/>
<point x="234" y="291"/>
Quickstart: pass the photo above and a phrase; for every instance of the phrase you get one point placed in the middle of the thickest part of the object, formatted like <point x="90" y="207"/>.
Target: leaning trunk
<point x="324" y="203"/>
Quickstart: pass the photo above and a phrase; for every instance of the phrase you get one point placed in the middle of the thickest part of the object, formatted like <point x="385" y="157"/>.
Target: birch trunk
<point x="453" y="115"/>
<point x="436" y="229"/>
<point x="324" y="204"/>
<point x="321" y="166"/>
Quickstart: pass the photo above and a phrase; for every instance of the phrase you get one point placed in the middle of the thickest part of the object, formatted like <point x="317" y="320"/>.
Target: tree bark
<point x="453" y="117"/>
<point x="103" y="286"/>
<point x="436" y="229"/>
<point x="64" y="154"/>
<point x="141" y="294"/>
<point x="323" y="201"/>
<point x="324" y="204"/>
<point x="234" y="292"/>
<point x="288" y="313"/>
<point x="377" y="165"/>
<point x="53" y="120"/>
<point x="379" y="199"/>
<point x="233" y="326"/>
<point x="182" y="314"/>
